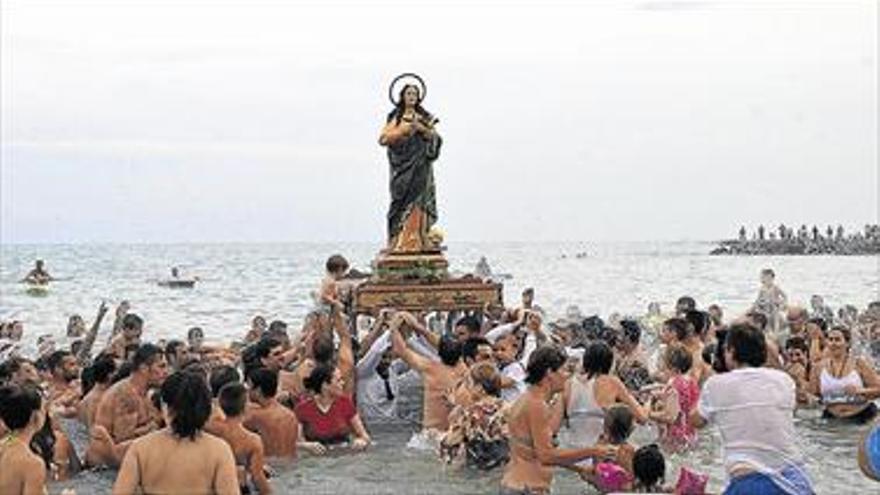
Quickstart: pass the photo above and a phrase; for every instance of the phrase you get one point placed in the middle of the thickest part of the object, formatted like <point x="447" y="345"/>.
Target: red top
<point x="334" y="426"/>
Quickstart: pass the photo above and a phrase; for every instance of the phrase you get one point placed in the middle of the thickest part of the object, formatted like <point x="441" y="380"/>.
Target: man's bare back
<point x="276" y="425"/>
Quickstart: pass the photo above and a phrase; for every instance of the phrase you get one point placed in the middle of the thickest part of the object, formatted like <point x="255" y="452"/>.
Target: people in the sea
<point x="613" y="474"/>
<point x="247" y="446"/>
<point x="63" y="387"/>
<point x="201" y="462"/>
<point x="532" y="421"/>
<point x="277" y="426"/>
<point x="336" y="267"/>
<point x="869" y="452"/>
<point x="438" y="376"/>
<point x="746" y="403"/>
<point x="678" y="398"/>
<point x="38" y="274"/>
<point x="125" y="410"/>
<point x="477" y="434"/>
<point x="771" y="301"/>
<point x="100" y="374"/>
<point x="846" y="384"/>
<point x="258" y="327"/>
<point x="327" y="415"/>
<point x="129" y="337"/>
<point x="23" y="413"/>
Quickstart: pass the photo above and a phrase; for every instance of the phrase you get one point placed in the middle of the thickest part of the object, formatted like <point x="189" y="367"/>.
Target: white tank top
<point x="833" y="387"/>
<point x="586" y="418"/>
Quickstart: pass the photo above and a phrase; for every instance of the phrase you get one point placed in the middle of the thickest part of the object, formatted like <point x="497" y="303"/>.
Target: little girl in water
<point x="614" y="475"/>
<point x="679" y="398"/>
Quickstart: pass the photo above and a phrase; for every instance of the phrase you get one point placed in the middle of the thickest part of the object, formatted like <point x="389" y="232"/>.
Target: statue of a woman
<point x="413" y="145"/>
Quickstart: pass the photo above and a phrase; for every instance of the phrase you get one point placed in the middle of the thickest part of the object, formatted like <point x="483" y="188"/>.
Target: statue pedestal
<point x="419" y="281"/>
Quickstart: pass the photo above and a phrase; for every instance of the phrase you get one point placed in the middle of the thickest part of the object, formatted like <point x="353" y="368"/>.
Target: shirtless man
<point x="276" y="424"/>
<point x="125" y="412"/>
<point x="38" y="275"/>
<point x="219" y="378"/>
<point x="132" y="327"/>
<point x="24" y="412"/>
<point x="102" y="373"/>
<point x="438" y="377"/>
<point x="532" y="420"/>
<point x="247" y="447"/>
<point x="64" y="390"/>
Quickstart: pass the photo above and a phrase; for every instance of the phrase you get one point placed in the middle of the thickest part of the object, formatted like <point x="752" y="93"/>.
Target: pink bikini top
<point x="611" y="478"/>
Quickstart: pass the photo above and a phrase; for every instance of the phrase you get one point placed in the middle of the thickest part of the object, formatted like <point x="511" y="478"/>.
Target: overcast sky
<point x="176" y="121"/>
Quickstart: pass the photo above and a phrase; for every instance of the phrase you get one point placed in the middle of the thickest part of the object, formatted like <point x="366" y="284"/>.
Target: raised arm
<point x="419" y="328"/>
<point x="85" y="351"/>
<point x="367" y="365"/>
<point x="345" y="363"/>
<point x="414" y="360"/>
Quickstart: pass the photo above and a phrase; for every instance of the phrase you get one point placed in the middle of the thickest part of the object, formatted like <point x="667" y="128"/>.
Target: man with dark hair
<point x="125" y="410"/>
<point x="466" y="327"/>
<point x="753" y="407"/>
<point x="684" y="304"/>
<point x="276" y="424"/>
<point x="132" y="328"/>
<point x="64" y="392"/>
<point x="246" y="445"/>
<point x="177" y="354"/>
<point x="219" y="378"/>
<point x="101" y="372"/>
<point x="438" y="378"/>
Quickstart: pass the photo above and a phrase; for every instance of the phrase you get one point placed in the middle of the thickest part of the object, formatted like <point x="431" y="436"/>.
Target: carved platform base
<point x="419" y="281"/>
<point x="442" y="295"/>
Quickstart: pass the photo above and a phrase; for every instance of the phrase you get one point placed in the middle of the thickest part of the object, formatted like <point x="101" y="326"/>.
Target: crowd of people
<point x="503" y="388"/>
<point x="815" y="240"/>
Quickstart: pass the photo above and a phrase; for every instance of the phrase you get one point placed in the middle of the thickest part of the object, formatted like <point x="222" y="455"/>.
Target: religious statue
<point x="413" y="144"/>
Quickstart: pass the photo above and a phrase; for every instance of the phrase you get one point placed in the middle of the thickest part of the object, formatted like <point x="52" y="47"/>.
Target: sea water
<point x="238" y="281"/>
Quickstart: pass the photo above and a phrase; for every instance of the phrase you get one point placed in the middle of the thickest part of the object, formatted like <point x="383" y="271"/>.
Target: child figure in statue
<point x="328" y="298"/>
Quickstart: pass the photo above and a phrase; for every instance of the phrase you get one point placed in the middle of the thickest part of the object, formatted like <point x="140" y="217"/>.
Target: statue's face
<point x="411" y="96"/>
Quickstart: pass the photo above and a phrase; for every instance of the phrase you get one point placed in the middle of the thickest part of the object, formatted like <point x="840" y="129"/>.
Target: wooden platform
<point x="420" y="282"/>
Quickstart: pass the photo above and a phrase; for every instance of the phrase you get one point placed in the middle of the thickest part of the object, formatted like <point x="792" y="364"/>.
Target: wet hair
<point x="233" y="399"/>
<point x="336" y="263"/>
<point x="618" y="423"/>
<point x="11" y="367"/>
<point x="145" y="354"/>
<point x="194" y="330"/>
<point x="719" y="364"/>
<point x="277" y="327"/>
<point x="171" y="348"/>
<point x="264" y="347"/>
<point x="471" y="322"/>
<point x="679" y="326"/>
<point x="847" y="334"/>
<point x="17" y="405"/>
<point x="758" y="319"/>
<point x="528" y="291"/>
<point x="264" y="380"/>
<point x="101" y="371"/>
<point x="632" y="331"/>
<point x="449" y="350"/>
<point x="678" y="358"/>
<point x="819" y="322"/>
<point x="716" y="319"/>
<point x="649" y="466"/>
<point x="748" y="345"/>
<point x="699" y="320"/>
<point x="132" y="321"/>
<point x="221" y="376"/>
<point x="542" y="361"/>
<point x="598" y="358"/>
<point x="323" y="349"/>
<point x="469" y="349"/>
<point x="56" y="359"/>
<point x="43" y="443"/>
<point x="123" y="372"/>
<point x="686" y="302"/>
<point x="769" y="272"/>
<point x="797" y="342"/>
<point x="321" y="374"/>
<point x="186" y="395"/>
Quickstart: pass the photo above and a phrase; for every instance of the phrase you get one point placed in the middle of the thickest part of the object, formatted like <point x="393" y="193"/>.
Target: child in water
<point x="678" y="399"/>
<point x="328" y="297"/>
<point x="649" y="469"/>
<point x="614" y="475"/>
<point x="771" y="301"/>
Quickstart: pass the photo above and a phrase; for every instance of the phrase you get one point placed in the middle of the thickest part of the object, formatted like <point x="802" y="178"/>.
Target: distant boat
<point x="178" y="283"/>
<point x="37" y="290"/>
